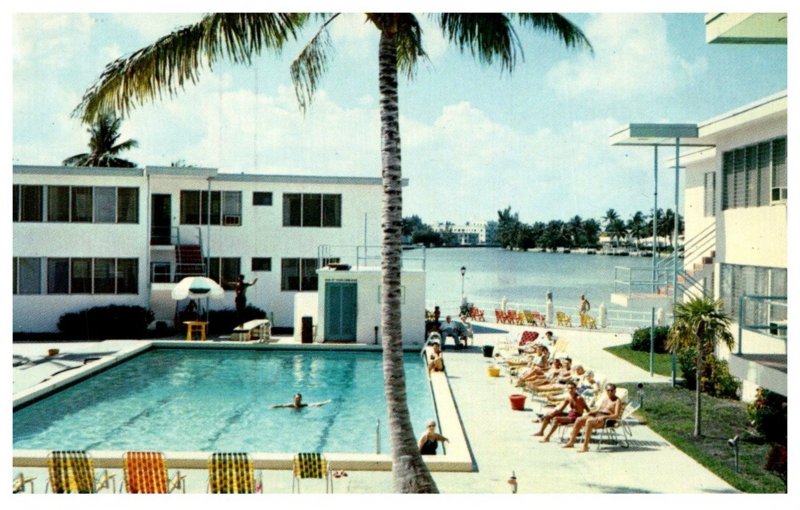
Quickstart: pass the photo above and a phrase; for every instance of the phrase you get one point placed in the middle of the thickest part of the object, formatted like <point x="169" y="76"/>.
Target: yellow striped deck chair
<point x="146" y="473"/>
<point x="311" y="465"/>
<point x="73" y="471"/>
<point x="231" y="473"/>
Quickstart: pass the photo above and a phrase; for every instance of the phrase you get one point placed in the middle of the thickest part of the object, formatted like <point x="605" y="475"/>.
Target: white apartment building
<point x="475" y="233"/>
<point x="735" y="207"/>
<point x="85" y="237"/>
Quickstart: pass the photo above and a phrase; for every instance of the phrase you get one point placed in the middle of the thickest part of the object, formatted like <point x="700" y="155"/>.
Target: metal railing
<point x="765" y="315"/>
<point x="361" y="256"/>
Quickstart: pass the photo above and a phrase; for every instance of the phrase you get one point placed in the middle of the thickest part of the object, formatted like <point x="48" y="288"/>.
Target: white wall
<point x="368" y="280"/>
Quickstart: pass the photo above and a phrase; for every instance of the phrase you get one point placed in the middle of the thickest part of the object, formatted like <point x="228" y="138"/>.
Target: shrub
<point x="640" y="341"/>
<point x="716" y="379"/>
<point x="106" y="322"/>
<point x="777" y="459"/>
<point x="769" y="415"/>
<point x="224" y="321"/>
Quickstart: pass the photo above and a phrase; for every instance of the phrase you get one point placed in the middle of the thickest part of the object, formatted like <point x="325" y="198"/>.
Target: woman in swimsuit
<point x="429" y="441"/>
<point x="610" y="409"/>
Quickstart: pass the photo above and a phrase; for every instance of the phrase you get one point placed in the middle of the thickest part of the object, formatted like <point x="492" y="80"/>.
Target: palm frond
<point x="309" y="66"/>
<point x="165" y="66"/>
<point x="486" y="36"/>
<point x="555" y="24"/>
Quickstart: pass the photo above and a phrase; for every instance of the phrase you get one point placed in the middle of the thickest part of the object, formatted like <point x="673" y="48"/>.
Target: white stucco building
<point x="85" y="237"/>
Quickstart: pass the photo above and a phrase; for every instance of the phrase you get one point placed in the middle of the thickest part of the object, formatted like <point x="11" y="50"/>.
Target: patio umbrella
<point x="197" y="287"/>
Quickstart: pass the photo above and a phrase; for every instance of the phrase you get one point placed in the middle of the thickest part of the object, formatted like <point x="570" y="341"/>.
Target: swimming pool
<point x="207" y="400"/>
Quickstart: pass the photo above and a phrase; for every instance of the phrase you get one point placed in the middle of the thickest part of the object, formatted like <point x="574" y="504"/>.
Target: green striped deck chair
<point x="311" y="465"/>
<point x="231" y="473"/>
<point x="73" y="471"/>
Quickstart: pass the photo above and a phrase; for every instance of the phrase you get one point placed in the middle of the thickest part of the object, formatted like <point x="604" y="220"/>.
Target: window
<point x="81" y="204"/>
<point x="58" y="276"/>
<point x="261" y="264"/>
<point x="105" y="205"/>
<point x="27" y="203"/>
<point x="224" y="269"/>
<point x="27" y="275"/>
<point x="710" y="190"/>
<point x="104" y="276"/>
<point x="211" y="208"/>
<point x="127" y="276"/>
<point x="299" y="274"/>
<point x="57" y="203"/>
<point x="312" y="210"/>
<point x="160" y="272"/>
<point x="80" y="276"/>
<point x="754" y="176"/>
<point x="262" y="198"/>
<point x="127" y="205"/>
<point x="92" y="276"/>
<point x="737" y="281"/>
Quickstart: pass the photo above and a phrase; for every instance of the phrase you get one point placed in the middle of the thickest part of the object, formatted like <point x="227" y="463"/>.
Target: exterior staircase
<point x="188" y="261"/>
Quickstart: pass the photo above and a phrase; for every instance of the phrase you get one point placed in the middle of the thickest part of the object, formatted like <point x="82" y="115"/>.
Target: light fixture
<point x="734" y="443"/>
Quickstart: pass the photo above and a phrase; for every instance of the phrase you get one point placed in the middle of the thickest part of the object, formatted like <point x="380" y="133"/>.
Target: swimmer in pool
<point x="298" y="403"/>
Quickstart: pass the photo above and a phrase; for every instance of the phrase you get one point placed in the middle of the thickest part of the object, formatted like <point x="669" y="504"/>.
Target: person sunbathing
<point x="554" y="379"/>
<point x="562" y="379"/>
<point x="610" y="409"/>
<point x="539" y="372"/>
<point x="436" y="363"/>
<point x="577" y="406"/>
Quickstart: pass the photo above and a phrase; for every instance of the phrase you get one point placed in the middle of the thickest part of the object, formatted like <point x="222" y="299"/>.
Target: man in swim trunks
<point x="577" y="406"/>
<point x="610" y="409"/>
<point x="297" y="403"/>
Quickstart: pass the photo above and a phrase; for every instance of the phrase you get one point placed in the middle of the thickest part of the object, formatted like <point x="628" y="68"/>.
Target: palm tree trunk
<point x="698" y="387"/>
<point x="410" y="473"/>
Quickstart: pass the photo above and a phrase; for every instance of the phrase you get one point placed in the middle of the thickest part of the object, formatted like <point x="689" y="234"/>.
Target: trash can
<point x="517" y="402"/>
<point x="488" y="350"/>
<point x="306" y="330"/>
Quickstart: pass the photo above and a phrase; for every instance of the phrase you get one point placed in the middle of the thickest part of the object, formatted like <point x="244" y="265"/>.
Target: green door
<point x="340" y="311"/>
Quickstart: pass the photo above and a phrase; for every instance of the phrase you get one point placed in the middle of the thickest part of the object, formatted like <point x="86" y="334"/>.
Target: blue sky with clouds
<point x="474" y="139"/>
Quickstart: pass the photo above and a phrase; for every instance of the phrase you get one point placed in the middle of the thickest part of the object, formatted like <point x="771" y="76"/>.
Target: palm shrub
<point x="716" y="379"/>
<point x="769" y="415"/>
<point x="701" y="324"/>
<point x="640" y="341"/>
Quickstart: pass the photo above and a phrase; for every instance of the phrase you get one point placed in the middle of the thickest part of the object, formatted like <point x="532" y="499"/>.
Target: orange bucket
<point x="494" y="371"/>
<point x="517" y="402"/>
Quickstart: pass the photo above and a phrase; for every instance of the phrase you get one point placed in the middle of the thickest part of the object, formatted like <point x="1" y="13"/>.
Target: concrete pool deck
<point x="498" y="438"/>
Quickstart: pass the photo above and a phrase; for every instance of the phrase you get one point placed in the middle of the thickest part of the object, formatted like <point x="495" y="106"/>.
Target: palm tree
<point x="172" y="60"/>
<point x="610" y="216"/>
<point x="616" y="229"/>
<point x="700" y="324"/>
<point x="637" y="226"/>
<point x="104" y="131"/>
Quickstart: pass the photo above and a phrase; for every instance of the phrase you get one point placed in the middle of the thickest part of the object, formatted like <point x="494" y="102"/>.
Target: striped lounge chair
<point x="311" y="465"/>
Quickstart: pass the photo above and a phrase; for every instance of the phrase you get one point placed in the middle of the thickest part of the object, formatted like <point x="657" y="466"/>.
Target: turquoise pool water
<point x="219" y="400"/>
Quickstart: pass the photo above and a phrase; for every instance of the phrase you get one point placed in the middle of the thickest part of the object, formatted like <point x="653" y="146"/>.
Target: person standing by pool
<point x="429" y="441"/>
<point x="584" y="306"/>
<point x="240" y="288"/>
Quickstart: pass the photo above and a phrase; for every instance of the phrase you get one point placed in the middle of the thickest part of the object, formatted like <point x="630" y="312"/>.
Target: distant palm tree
<point x="616" y="229"/>
<point x="105" y="133"/>
<point x="610" y="216"/>
<point x="700" y="324"/>
<point x="637" y="226"/>
<point x="176" y="58"/>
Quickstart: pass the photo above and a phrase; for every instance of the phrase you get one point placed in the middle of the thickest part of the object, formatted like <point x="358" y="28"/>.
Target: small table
<point x="195" y="327"/>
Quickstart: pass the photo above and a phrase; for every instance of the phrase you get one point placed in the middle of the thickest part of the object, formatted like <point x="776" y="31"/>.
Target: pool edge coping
<point x="456" y="459"/>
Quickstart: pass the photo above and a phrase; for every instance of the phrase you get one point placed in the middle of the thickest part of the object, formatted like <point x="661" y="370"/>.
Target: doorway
<point x="341" y="306"/>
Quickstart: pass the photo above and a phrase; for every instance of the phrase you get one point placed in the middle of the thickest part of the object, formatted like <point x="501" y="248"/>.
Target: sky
<point x="475" y="139"/>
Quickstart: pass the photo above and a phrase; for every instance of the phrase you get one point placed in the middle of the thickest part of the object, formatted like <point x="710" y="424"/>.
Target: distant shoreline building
<point x="471" y="233"/>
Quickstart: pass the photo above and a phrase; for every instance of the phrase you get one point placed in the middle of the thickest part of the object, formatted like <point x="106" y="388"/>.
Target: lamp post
<point x="463" y="272"/>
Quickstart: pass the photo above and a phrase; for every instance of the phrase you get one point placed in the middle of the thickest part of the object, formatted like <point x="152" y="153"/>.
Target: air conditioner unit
<point x="231" y="220"/>
<point x="779" y="194"/>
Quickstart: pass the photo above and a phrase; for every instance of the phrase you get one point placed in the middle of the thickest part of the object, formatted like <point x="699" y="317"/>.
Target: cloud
<point x="632" y="57"/>
<point x="49" y="40"/>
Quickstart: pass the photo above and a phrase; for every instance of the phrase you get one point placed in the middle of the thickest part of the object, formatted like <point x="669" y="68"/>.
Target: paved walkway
<point x="499" y="438"/>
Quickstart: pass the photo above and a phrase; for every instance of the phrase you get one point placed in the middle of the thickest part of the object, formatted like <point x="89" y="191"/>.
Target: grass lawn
<point x="670" y="412"/>
<point x="662" y="363"/>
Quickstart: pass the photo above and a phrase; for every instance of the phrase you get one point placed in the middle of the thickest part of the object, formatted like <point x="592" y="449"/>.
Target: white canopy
<point x="197" y="287"/>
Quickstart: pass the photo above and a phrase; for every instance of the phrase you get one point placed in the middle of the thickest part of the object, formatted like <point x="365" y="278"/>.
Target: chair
<point x="476" y="314"/>
<point x="20" y="481"/>
<point x="563" y="319"/>
<point x="231" y="473"/>
<point x="587" y="321"/>
<point x="499" y="316"/>
<point x="528" y="337"/>
<point x="560" y="346"/>
<point x="613" y="429"/>
<point x="311" y="465"/>
<point x="146" y="473"/>
<point x="73" y="471"/>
